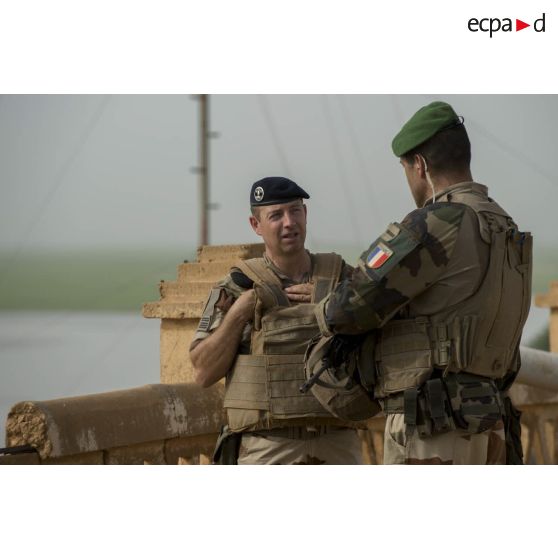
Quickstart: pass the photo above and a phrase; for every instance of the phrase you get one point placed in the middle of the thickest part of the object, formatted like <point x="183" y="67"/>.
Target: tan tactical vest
<point x="262" y="389"/>
<point x="480" y="334"/>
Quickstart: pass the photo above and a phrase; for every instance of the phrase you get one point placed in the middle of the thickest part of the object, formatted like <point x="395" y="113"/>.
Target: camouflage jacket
<point x="433" y="259"/>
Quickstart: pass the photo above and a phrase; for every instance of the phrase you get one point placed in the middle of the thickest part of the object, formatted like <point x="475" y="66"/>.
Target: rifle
<point x="339" y="350"/>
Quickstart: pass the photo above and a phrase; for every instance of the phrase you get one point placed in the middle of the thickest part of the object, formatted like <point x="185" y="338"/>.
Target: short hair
<point x="256" y="209"/>
<point x="447" y="151"/>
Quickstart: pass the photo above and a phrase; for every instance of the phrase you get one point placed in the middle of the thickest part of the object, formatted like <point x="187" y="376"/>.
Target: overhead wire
<point x="62" y="317"/>
<point x="397" y="110"/>
<point x="341" y="171"/>
<point x="266" y="111"/>
<point x="505" y="147"/>
<point x="55" y="186"/>
<point x="517" y="154"/>
<point x="368" y="181"/>
<point x="268" y="117"/>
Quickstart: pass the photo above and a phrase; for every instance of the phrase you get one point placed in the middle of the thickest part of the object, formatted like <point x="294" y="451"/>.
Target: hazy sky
<point x="115" y="171"/>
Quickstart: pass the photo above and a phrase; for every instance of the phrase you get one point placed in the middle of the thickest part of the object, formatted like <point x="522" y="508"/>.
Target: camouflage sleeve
<point x="402" y="263"/>
<point x="220" y="299"/>
<point x="346" y="271"/>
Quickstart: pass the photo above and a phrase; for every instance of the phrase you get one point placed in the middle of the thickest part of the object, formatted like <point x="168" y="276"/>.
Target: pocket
<point x="475" y="402"/>
<point x="405" y="355"/>
<point x="395" y="430"/>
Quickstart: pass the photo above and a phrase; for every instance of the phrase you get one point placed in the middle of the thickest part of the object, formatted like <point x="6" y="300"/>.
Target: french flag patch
<point x="378" y="257"/>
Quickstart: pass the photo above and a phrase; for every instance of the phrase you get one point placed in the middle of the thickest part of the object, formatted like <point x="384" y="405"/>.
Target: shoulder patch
<point x="379" y="256"/>
<point x="387" y="251"/>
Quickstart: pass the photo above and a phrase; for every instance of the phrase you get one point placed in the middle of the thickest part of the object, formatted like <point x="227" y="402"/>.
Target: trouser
<point x="457" y="447"/>
<point x="325" y="446"/>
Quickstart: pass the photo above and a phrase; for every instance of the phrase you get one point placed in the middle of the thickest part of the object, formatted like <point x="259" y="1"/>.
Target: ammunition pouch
<point x="476" y="402"/>
<point x="427" y="409"/>
<point x="462" y="400"/>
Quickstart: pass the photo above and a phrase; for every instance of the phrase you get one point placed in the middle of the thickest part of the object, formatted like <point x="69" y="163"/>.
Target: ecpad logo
<point x="494" y="24"/>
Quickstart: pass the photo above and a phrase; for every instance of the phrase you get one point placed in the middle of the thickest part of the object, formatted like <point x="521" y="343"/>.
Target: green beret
<point x="425" y="123"/>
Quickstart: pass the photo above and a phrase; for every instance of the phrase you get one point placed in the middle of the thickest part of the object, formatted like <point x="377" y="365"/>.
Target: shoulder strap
<point x="327" y="268"/>
<point x="264" y="278"/>
<point x="484" y="209"/>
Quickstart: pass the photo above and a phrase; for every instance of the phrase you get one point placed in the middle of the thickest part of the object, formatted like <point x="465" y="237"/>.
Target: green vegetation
<point x="545" y="268"/>
<point x="86" y="280"/>
<point x="124" y="280"/>
<point x="540" y="341"/>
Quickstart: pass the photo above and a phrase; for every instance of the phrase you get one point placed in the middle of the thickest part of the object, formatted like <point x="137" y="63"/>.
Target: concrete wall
<point x="182" y="301"/>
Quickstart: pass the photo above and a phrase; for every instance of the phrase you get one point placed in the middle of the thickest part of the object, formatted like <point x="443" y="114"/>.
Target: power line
<point x="513" y="152"/>
<point x="273" y="132"/>
<point x="397" y="110"/>
<point x="266" y="111"/>
<point x="56" y="183"/>
<point x="368" y="181"/>
<point x="340" y="167"/>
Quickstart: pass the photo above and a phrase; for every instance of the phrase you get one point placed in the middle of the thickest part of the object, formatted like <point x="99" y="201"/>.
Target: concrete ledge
<point x="91" y="458"/>
<point x="173" y="310"/>
<point x="20" y="459"/>
<point x="227" y="252"/>
<point x="189" y="449"/>
<point x="91" y="423"/>
<point x="150" y="453"/>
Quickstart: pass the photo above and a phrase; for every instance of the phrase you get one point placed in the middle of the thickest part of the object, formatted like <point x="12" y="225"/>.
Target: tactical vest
<point x="480" y="334"/>
<point x="262" y="389"/>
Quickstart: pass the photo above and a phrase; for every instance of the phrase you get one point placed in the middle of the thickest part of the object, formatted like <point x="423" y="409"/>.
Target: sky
<point x="115" y="171"/>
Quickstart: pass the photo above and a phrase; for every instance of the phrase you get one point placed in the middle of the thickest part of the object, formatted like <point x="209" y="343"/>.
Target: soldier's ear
<point x="420" y="165"/>
<point x="255" y="224"/>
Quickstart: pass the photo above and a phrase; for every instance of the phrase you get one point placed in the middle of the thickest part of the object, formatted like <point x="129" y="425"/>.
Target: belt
<point x="393" y="404"/>
<point x="298" y="432"/>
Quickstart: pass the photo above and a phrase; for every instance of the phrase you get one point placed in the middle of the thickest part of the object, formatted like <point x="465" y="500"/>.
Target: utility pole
<point x="205" y="206"/>
<point x="204" y="170"/>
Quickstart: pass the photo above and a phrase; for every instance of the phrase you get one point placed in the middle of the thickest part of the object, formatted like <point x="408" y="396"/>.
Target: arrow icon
<point x="519" y="25"/>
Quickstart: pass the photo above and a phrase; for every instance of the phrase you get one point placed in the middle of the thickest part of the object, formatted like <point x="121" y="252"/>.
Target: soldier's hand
<point x="300" y="293"/>
<point x="243" y="306"/>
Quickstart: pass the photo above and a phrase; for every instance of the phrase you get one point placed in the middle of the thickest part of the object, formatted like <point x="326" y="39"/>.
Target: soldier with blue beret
<point x="254" y="330"/>
<point x="275" y="189"/>
<point x="444" y="295"/>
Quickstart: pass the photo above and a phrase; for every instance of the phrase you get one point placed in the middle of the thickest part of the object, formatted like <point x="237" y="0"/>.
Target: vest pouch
<point x="509" y="276"/>
<point x="404" y="356"/>
<point x="285" y="375"/>
<point x="428" y="409"/>
<point x="475" y="402"/>
<point x="286" y="331"/>
<point x="366" y="362"/>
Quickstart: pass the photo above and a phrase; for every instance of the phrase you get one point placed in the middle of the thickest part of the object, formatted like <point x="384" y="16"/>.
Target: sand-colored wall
<point x="181" y="305"/>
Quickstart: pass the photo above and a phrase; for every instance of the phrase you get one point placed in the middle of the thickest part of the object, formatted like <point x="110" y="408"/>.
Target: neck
<point x="443" y="182"/>
<point x="292" y="265"/>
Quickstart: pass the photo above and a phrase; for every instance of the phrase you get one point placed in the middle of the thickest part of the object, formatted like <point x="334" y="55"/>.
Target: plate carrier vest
<point x="479" y="335"/>
<point x="262" y="388"/>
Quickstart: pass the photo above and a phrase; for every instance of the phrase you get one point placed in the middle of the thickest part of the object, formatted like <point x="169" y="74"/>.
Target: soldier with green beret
<point x="444" y="295"/>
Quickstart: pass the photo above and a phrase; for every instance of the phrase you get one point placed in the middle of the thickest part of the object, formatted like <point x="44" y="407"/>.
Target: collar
<point x="474" y="187"/>
<point x="285" y="278"/>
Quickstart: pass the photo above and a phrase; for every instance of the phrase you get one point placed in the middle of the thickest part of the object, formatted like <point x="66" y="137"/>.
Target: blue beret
<point x="275" y="189"/>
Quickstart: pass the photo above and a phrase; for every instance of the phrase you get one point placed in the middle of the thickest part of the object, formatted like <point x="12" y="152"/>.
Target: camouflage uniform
<point x="447" y="292"/>
<point x="297" y="442"/>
